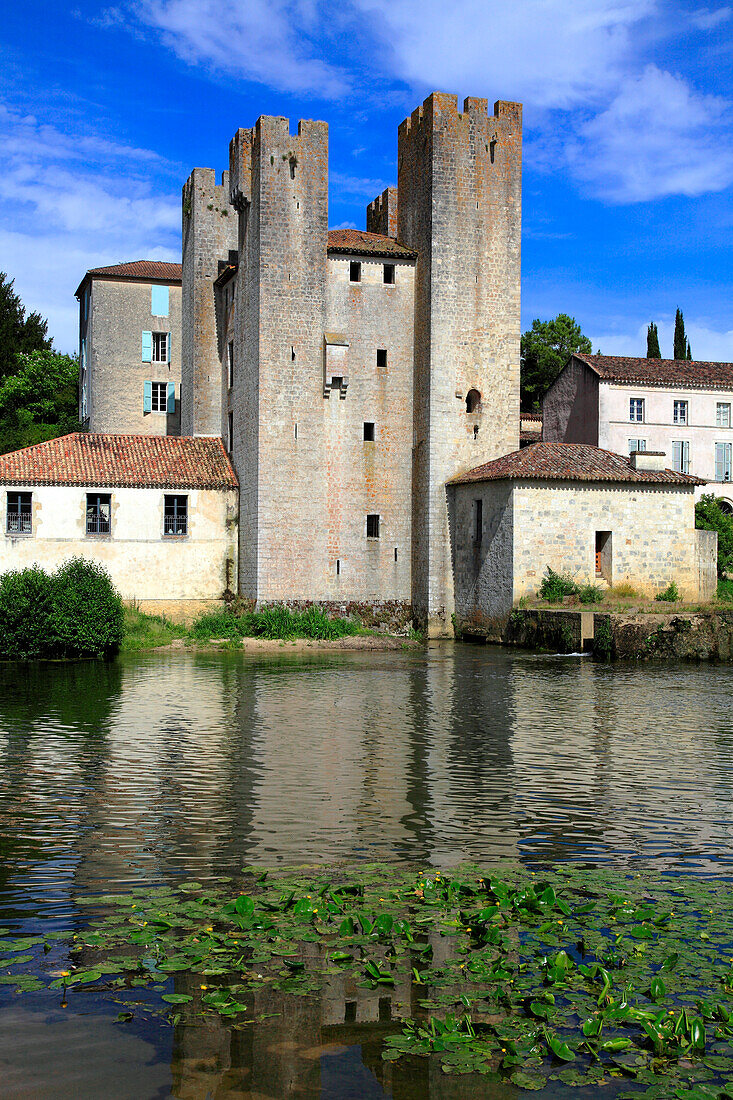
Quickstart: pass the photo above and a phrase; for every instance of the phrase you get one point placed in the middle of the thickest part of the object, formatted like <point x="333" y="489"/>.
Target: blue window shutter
<point x="169" y="347"/>
<point x="147" y="397"/>
<point x="171" y="405"/>
<point x="159" y="301"/>
<point x="147" y="347"/>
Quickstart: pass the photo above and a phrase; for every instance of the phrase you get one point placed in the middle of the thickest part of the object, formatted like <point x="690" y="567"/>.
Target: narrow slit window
<point x="372" y="526"/>
<point x="354" y="271"/>
<point x="230" y="364"/>
<point x="381" y="358"/>
<point x="479" y="520"/>
<point x="295" y="427"/>
<point x="395" y="553"/>
<point x="368" y="431"/>
<point x="338" y="567"/>
<point x="293" y="165"/>
<point x="230" y="432"/>
<point x="388" y="274"/>
<point x="292" y="353"/>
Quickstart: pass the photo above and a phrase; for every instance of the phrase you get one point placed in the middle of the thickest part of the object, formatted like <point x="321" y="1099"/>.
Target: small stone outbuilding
<point x="601" y="517"/>
<point x="158" y="512"/>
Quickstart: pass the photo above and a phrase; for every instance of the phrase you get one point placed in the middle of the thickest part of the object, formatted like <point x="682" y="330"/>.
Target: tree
<point x="680" y="339"/>
<point x="546" y="348"/>
<point x="18" y="333"/>
<point x="39" y="401"/>
<point x="652" y="342"/>
<point x="689" y="353"/>
<point x="709" y="516"/>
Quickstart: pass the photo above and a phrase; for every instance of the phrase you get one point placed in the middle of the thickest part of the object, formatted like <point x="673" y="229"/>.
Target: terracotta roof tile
<point x="368" y="244"/>
<point x="530" y="437"/>
<point x="570" y="462"/>
<point x="683" y="373"/>
<point x="122" y="461"/>
<point x="141" y="269"/>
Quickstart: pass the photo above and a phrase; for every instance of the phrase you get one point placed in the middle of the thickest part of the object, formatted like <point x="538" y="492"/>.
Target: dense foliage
<point x="556" y="586"/>
<point x="567" y="977"/>
<point x="709" y="516"/>
<point x="652" y="342"/>
<point x="681" y="342"/>
<point x="39" y="400"/>
<point x="19" y="333"/>
<point x="546" y="348"/>
<point x="273" y="622"/>
<point x="74" y="612"/>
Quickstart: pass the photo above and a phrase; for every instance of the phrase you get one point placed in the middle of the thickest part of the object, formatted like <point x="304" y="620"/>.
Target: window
<point x="158" y="396"/>
<point x="636" y="410"/>
<point x="603" y="555"/>
<point x="722" y="414"/>
<point x="681" y="456"/>
<point x="368" y="432"/>
<point x="354" y="272"/>
<point x="478" y="510"/>
<point x="637" y="445"/>
<point x="175" y="516"/>
<point x="20" y="514"/>
<point x="381" y="358"/>
<point x="160" y="347"/>
<point x="680" y="412"/>
<point x="230" y="432"/>
<point x="388" y="274"/>
<point x="99" y="509"/>
<point x="372" y="527"/>
<point x="723" y="461"/>
<point x="159" y="301"/>
<point x="473" y="401"/>
<point x="230" y="364"/>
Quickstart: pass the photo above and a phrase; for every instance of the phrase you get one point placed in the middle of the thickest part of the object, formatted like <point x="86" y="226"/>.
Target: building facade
<point x="679" y="407"/>
<point x="160" y="514"/>
<point x="130" y="348"/>
<point x="600" y="517"/>
<point x="351" y="373"/>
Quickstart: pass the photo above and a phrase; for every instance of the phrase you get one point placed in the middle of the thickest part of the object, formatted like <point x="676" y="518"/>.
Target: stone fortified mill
<point x="352" y="374"/>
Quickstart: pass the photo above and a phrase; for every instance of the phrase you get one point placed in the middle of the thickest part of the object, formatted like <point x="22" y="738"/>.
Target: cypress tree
<point x="652" y="342"/>
<point x="680" y="340"/>
<point x="689" y="353"/>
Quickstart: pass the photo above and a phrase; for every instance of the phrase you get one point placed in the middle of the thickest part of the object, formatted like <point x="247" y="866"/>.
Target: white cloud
<point x="356" y="186"/>
<point x="76" y="201"/>
<point x="706" y="343"/>
<point x="657" y="137"/>
<point x="274" y="42"/>
<point x="707" y="20"/>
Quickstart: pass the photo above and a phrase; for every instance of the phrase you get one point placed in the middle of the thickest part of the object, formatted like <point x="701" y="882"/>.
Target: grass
<point x="148" y="631"/>
<point x="725" y="590"/>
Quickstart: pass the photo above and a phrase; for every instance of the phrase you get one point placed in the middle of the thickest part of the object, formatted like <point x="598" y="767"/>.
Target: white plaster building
<point x="159" y="513"/>
<point x="598" y="516"/>
<point x="681" y="408"/>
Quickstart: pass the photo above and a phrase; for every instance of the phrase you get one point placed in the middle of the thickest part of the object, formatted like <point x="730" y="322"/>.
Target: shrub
<point x="555" y="586"/>
<point x="725" y="590"/>
<point x="710" y="517"/>
<point x="669" y="595"/>
<point x="26" y="606"/>
<point x="624" y="589"/>
<point x="87" y="619"/>
<point x="590" y="593"/>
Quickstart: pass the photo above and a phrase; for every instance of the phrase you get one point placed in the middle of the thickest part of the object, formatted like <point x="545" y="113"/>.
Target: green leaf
<point x="177" y="998"/>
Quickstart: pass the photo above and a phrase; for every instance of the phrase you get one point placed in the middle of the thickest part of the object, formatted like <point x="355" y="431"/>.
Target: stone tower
<point x="209" y="231"/>
<point x="279" y="185"/>
<point x="459" y="206"/>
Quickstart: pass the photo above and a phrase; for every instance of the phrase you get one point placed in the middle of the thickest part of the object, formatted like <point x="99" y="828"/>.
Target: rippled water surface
<point x="174" y="765"/>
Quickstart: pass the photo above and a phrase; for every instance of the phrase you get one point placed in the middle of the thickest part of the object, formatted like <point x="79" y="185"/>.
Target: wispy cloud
<point x="707" y="19"/>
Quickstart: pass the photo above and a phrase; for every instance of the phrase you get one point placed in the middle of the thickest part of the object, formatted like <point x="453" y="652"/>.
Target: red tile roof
<point x="682" y="373"/>
<point x="570" y="462"/>
<point x="367" y="244"/>
<point x="530" y="437"/>
<point x="137" y="269"/>
<point x="122" y="461"/>
<point x="530" y="416"/>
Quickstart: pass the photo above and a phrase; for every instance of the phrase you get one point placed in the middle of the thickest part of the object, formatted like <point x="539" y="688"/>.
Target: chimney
<point x="648" y="460"/>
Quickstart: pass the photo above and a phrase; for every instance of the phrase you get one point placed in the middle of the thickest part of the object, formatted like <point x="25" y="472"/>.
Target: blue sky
<point x="104" y="110"/>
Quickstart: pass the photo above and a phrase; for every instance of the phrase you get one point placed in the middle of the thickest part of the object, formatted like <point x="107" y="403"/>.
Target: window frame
<point x="680" y="411"/>
<point x="719" y="406"/>
<point x="370" y="431"/>
<point x="681" y="456"/>
<point x="175" y="515"/>
<point x="637" y="448"/>
<point x="373" y="521"/>
<point x="727" y="462"/>
<point x="156" y="388"/>
<point x="98" y="499"/>
<point x="160" y="347"/>
<point x="354" y="270"/>
<point x="21" y="513"/>
<point x="391" y="271"/>
<point x="637" y="404"/>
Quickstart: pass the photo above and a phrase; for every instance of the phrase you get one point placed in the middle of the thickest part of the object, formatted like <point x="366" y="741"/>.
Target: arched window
<point x="473" y="401"/>
<point x="726" y="507"/>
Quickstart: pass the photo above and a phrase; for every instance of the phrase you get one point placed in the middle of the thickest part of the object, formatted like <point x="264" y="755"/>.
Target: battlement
<point x="271" y="137"/>
<point x="382" y="213"/>
<point x="441" y="109"/>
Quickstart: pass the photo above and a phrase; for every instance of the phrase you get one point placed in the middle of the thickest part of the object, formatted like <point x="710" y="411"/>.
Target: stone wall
<point x="460" y="207"/>
<point x="570" y="407"/>
<point x="143" y="564"/>
<point x="482" y="568"/>
<point x="209" y="232"/>
<point x="653" y="539"/>
<point x="119" y="313"/>
<point x="381" y="216"/>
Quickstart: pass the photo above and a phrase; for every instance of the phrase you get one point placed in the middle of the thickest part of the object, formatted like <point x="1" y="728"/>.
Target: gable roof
<point x="137" y="269"/>
<point x="683" y="373"/>
<point x="570" y="462"/>
<point x="368" y="244"/>
<point x="122" y="461"/>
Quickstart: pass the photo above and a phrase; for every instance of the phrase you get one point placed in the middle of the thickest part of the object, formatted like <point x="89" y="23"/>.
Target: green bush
<point x="26" y="606"/>
<point x="670" y="594"/>
<point x="725" y="590"/>
<point x="555" y="586"/>
<point x="76" y="612"/>
<point x="590" y="593"/>
<point x="710" y="517"/>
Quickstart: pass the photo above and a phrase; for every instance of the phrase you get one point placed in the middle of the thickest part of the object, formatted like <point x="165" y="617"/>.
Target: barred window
<point x="19" y="518"/>
<point x="175" y="515"/>
<point x="99" y="513"/>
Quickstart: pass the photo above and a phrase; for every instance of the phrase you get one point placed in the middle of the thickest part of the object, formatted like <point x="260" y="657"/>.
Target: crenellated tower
<point x="209" y="232"/>
<point x="279" y="186"/>
<point x="459" y="206"/>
